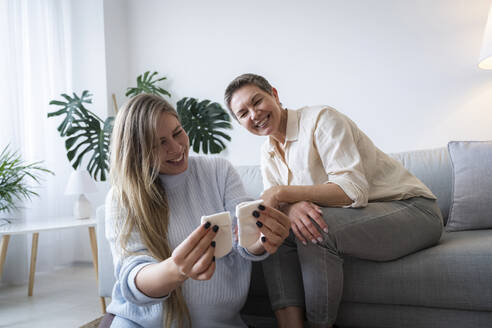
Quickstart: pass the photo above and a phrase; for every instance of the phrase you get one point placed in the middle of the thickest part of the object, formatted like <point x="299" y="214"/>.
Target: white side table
<point x="17" y="227"/>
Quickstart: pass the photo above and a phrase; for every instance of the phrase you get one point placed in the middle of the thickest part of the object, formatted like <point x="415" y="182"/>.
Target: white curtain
<point x="36" y="67"/>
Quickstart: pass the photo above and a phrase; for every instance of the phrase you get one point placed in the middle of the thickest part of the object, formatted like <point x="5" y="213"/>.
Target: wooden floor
<point x="65" y="298"/>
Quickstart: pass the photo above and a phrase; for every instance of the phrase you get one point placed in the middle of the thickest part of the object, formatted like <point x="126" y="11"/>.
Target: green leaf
<point x="204" y="122"/>
<point x="86" y="134"/>
<point x="57" y="102"/>
<point x="222" y="134"/>
<point x="14" y="179"/>
<point x="224" y="125"/>
<point x="145" y="84"/>
<point x="197" y="141"/>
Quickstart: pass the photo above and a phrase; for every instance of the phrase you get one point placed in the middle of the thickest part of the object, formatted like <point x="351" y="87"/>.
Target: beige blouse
<point x="323" y="145"/>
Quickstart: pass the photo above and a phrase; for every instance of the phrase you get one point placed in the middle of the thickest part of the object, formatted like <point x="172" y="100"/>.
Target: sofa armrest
<point x="104" y="256"/>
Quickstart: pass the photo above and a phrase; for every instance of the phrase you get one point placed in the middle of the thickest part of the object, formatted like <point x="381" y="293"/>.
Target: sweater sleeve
<point x="335" y="139"/>
<point x="234" y="194"/>
<point x="127" y="266"/>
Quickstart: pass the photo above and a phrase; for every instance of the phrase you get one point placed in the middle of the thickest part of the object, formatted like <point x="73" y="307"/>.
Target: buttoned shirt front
<point x="325" y="146"/>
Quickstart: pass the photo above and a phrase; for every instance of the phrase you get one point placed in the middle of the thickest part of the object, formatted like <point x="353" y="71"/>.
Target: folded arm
<point x="327" y="195"/>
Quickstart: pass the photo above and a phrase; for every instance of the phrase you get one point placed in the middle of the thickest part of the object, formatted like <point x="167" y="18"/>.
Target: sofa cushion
<point x="433" y="168"/>
<point x="471" y="202"/>
<point x="455" y="274"/>
<point x="391" y="316"/>
<point x="106" y="277"/>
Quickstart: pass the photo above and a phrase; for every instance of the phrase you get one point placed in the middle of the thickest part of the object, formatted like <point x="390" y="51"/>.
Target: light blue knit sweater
<point x="210" y="185"/>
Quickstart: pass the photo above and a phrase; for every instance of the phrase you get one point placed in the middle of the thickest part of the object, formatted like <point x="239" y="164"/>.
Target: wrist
<point x="158" y="279"/>
<point x="174" y="271"/>
<point x="280" y="194"/>
<point x="257" y="248"/>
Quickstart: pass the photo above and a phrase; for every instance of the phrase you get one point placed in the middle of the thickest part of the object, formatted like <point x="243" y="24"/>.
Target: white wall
<point x="86" y="31"/>
<point x="405" y="71"/>
<point x="116" y="52"/>
<point x="88" y="52"/>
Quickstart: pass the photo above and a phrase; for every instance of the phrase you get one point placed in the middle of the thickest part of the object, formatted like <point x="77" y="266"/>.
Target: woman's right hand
<point x="301" y="215"/>
<point x="194" y="257"/>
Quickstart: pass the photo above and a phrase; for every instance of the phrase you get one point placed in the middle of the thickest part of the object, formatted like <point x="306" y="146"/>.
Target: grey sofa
<point x="448" y="285"/>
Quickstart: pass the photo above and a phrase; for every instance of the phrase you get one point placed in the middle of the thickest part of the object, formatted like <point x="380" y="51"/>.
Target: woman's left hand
<point x="270" y="197"/>
<point x="302" y="215"/>
<point x="274" y="225"/>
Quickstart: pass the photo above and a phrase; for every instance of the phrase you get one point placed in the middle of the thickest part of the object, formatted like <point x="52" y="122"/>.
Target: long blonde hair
<point x="135" y="180"/>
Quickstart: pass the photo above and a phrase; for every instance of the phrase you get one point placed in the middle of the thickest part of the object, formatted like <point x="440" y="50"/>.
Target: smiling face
<point x="256" y="110"/>
<point x="173" y="145"/>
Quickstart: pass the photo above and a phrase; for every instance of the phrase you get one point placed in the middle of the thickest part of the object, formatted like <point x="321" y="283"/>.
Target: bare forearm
<point x="159" y="279"/>
<point x="329" y="194"/>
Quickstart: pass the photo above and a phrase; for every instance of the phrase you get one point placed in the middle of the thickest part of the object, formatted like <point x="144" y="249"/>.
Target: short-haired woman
<point x="373" y="208"/>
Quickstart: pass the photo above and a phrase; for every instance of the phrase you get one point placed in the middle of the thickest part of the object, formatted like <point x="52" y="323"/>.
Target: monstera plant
<point x="145" y="84"/>
<point x="87" y="134"/>
<point x="203" y="122"/>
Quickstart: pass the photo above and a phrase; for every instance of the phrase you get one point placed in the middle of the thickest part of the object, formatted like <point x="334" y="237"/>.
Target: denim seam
<point x="433" y="214"/>
<point x="365" y="218"/>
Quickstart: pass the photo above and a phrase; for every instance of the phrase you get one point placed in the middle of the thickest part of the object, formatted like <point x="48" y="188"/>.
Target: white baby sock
<point x="223" y="239"/>
<point x="248" y="230"/>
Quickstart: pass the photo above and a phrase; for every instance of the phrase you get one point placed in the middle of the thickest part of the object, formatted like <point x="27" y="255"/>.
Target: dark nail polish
<point x="215" y="228"/>
<point x="259" y="224"/>
<point x="261" y="207"/>
<point x="213" y="259"/>
<point x="256" y="214"/>
<point x="207" y="225"/>
<point x="263" y="239"/>
<point x="212" y="243"/>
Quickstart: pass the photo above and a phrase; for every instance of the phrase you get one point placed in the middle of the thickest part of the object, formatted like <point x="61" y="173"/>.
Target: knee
<point x="329" y="244"/>
<point x="432" y="228"/>
<point x="434" y="234"/>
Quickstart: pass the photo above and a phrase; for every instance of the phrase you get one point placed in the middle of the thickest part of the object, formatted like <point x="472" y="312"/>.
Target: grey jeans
<point x="312" y="276"/>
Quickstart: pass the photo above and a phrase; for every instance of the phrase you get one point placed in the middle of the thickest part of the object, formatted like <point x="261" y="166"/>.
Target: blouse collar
<point x="291" y="130"/>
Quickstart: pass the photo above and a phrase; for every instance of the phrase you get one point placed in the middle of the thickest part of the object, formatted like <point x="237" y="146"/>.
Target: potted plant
<point x="15" y="176"/>
<point x="204" y="121"/>
<point x="86" y="133"/>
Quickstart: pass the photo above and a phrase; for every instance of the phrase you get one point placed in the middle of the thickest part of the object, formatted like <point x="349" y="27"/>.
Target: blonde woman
<point x="166" y="273"/>
<point x="373" y="208"/>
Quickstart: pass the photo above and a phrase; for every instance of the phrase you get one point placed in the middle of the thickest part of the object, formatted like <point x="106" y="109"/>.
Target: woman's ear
<point x="275" y="95"/>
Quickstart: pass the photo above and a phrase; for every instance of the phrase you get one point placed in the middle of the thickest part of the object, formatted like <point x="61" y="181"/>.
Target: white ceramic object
<point x="82" y="209"/>
<point x="223" y="239"/>
<point x="247" y="229"/>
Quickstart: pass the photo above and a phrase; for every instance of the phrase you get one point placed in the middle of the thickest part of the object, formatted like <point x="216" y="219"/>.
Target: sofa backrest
<point x="431" y="166"/>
